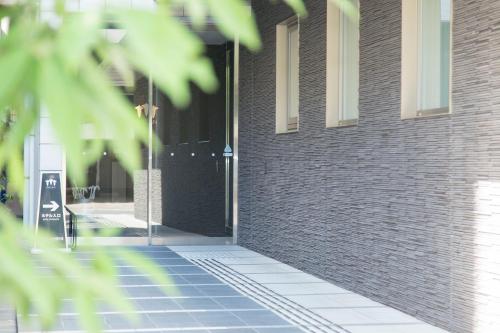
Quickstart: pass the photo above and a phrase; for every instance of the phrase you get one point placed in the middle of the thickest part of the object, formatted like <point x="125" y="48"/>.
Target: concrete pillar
<point x="42" y="153"/>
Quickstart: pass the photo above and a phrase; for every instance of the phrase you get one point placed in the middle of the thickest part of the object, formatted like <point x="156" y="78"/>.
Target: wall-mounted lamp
<point x="144" y="110"/>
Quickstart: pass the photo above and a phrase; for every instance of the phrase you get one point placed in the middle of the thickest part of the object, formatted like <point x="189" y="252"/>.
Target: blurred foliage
<point x="349" y="8"/>
<point x="37" y="284"/>
<point x="56" y="65"/>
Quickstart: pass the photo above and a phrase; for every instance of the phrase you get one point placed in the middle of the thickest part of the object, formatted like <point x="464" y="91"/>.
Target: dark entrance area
<point x="191" y="177"/>
<point x="195" y="174"/>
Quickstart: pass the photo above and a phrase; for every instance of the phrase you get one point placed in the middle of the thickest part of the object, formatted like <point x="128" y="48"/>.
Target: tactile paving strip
<point x="293" y="312"/>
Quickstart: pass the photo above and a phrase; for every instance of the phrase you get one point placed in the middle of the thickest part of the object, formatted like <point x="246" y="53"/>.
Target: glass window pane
<point x="434" y="54"/>
<point x="350" y="68"/>
<point x="293" y="76"/>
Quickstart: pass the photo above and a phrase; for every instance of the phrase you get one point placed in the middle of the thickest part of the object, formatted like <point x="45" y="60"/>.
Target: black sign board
<point x="50" y="209"/>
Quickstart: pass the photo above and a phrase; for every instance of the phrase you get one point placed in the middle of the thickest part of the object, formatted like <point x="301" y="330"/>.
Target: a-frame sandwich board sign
<point x="50" y="213"/>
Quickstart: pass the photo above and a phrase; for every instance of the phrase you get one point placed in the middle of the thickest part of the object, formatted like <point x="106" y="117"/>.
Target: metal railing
<point x="72" y="227"/>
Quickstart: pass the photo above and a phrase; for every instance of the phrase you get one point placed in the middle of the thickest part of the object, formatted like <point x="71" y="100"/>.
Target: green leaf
<point x="235" y="20"/>
<point x="76" y="37"/>
<point x="60" y="68"/>
<point x="13" y="65"/>
<point x="348" y="7"/>
<point x="179" y="48"/>
<point x="197" y="10"/>
<point x="87" y="308"/>
<point x="62" y="102"/>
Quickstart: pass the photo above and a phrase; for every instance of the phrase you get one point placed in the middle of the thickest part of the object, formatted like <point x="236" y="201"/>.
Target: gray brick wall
<point x="141" y="195"/>
<point x="403" y="211"/>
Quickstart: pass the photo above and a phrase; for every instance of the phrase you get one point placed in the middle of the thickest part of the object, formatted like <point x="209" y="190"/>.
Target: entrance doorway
<point x="190" y="187"/>
<point x="195" y="176"/>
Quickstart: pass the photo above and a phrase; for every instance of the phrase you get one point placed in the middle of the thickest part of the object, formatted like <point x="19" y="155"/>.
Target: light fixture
<point x="144" y="110"/>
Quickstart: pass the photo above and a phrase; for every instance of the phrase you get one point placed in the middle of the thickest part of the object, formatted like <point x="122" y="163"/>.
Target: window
<point x="342" y="82"/>
<point x="287" y="76"/>
<point x="426" y="58"/>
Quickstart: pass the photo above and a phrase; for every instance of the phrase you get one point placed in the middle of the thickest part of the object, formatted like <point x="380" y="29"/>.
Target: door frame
<point x="236" y="90"/>
<point x="235" y="190"/>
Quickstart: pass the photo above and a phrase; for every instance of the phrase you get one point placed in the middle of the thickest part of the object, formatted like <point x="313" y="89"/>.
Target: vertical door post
<point x="150" y="156"/>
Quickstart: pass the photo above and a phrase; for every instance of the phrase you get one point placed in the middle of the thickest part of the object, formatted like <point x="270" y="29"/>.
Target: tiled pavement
<point x="229" y="289"/>
<point x="300" y="295"/>
<point x="201" y="303"/>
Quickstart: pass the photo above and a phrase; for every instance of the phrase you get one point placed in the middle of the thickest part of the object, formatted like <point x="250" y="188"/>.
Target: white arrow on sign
<point x="52" y="205"/>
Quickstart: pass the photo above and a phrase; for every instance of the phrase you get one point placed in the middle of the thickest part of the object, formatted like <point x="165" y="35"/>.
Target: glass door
<point x="191" y="174"/>
<point x="112" y="198"/>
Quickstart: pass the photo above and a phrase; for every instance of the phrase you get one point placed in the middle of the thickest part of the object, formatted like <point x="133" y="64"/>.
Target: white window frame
<point x="335" y="71"/>
<point x="285" y="123"/>
<point x="410" y="63"/>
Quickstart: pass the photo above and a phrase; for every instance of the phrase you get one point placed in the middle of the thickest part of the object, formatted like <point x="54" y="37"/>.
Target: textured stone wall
<point x="141" y="194"/>
<point x="403" y="211"/>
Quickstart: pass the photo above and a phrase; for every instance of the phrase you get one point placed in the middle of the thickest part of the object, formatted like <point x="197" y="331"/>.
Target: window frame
<point x="410" y="63"/>
<point x="335" y="69"/>
<point x="285" y="123"/>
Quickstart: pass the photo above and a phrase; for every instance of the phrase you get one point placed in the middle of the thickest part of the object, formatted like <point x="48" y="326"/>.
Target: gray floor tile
<point x="157" y="304"/>
<point x="186" y="270"/>
<point x="198" y="304"/>
<point x="178" y="279"/>
<point x="172" y="262"/>
<point x="128" y="270"/>
<point x="185" y="331"/>
<point x="218" y="319"/>
<point x="150" y="248"/>
<point x="143" y="291"/>
<point x="154" y="291"/>
<point x="261" y="318"/>
<point x="117" y="321"/>
<point x="173" y="320"/>
<point x="201" y="279"/>
<point x="218" y="290"/>
<point x="234" y="330"/>
<point x="237" y="303"/>
<point x="161" y="254"/>
<point x="280" y="330"/>
<point x="145" y="280"/>
<point x="188" y="291"/>
<point x="135" y="280"/>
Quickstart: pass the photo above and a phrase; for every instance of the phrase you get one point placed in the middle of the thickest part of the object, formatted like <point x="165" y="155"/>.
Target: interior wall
<point x="402" y="211"/>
